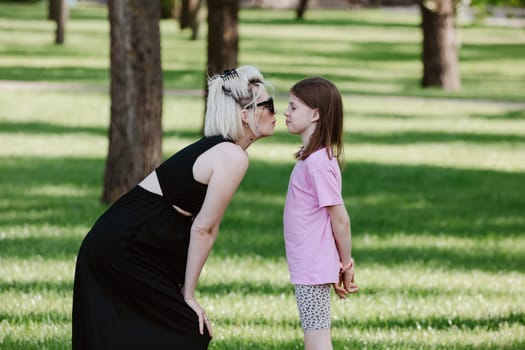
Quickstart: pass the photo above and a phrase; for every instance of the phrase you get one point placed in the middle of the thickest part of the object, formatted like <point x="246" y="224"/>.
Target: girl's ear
<point x="315" y="117"/>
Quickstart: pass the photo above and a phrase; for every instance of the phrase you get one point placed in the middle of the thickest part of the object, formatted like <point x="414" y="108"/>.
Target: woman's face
<point x="264" y="116"/>
<point x="300" y="119"/>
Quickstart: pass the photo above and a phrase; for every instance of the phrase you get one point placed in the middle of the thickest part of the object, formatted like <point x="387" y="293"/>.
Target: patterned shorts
<point x="313" y="303"/>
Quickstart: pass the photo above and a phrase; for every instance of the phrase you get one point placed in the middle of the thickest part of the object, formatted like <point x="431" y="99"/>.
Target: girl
<point x="316" y="224"/>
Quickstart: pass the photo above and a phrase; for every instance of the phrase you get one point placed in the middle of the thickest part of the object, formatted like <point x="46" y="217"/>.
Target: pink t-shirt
<point x="311" y="251"/>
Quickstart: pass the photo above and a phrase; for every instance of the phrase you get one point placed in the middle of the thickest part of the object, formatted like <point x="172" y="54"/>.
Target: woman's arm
<point x="228" y="169"/>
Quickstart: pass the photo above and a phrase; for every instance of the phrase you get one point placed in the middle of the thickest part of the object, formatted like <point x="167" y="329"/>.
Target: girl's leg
<point x="313" y="303"/>
<point x="317" y="339"/>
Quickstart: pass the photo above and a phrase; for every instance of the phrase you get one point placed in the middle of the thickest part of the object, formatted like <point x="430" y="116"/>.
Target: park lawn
<point x="434" y="186"/>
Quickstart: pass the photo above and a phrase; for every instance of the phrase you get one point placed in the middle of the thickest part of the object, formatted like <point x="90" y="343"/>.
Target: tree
<point x="301" y="8"/>
<point x="58" y="11"/>
<point x="440" y="51"/>
<point x="166" y="8"/>
<point x="223" y="35"/>
<point x="135" y="133"/>
<point x="223" y="38"/>
<point x="189" y="16"/>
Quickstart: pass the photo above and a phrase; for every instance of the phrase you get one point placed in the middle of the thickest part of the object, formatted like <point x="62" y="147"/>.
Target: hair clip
<point x="227" y="91"/>
<point x="229" y="74"/>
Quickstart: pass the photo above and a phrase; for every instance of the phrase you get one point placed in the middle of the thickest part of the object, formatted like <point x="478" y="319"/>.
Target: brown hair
<point x="321" y="94"/>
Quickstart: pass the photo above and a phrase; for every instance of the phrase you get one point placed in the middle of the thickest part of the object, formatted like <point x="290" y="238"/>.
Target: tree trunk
<point x="223" y="35"/>
<point x="440" y="51"/>
<point x="166" y="8"/>
<point x="301" y="8"/>
<point x="184" y="20"/>
<point x="135" y="133"/>
<point x="223" y="38"/>
<point x="195" y="21"/>
<point x="51" y="10"/>
<point x="58" y="11"/>
<point x="189" y="16"/>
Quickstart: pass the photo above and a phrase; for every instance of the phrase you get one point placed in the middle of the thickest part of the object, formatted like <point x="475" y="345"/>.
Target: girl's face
<point x="300" y="119"/>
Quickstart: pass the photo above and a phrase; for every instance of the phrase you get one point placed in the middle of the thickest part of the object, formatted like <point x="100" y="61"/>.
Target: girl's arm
<point x="343" y="238"/>
<point x="227" y="173"/>
<point x="342" y="232"/>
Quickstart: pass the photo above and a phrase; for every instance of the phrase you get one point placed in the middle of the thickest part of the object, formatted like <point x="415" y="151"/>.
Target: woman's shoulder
<point x="230" y="153"/>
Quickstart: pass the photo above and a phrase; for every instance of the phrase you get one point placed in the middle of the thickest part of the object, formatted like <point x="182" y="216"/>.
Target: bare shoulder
<point x="224" y="160"/>
<point x="229" y="165"/>
<point x="231" y="153"/>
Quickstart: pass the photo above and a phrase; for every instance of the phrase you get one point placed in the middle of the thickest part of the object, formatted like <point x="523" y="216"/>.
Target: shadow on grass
<point x="403" y="323"/>
<point x="36" y="317"/>
<point x="491" y="52"/>
<point x="65" y="286"/>
<point x="322" y="22"/>
<point x="62" y="247"/>
<point x="32" y="10"/>
<point x="438" y="323"/>
<point x="29" y="10"/>
<point x="49" y="128"/>
<point x="234" y="342"/>
<point x="397" y="138"/>
<point x="410" y="137"/>
<point x="50" y="342"/>
<point x="344" y="52"/>
<point x="513" y="114"/>
<point x="383" y="200"/>
<point x="509" y="113"/>
<point x="261" y="288"/>
<point x="61" y="74"/>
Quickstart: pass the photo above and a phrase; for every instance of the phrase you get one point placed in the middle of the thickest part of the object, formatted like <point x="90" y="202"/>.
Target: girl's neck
<point x="305" y="137"/>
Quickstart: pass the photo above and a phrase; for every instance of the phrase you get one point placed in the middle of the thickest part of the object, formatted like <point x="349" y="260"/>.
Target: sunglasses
<point x="268" y="104"/>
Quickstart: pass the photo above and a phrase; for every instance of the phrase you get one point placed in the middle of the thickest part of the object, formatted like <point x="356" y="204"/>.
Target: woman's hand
<point x="203" y="318"/>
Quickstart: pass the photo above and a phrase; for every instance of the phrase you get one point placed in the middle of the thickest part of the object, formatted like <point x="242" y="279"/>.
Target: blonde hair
<point x="228" y="94"/>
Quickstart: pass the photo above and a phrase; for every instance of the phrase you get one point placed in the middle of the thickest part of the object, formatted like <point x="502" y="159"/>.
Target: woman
<point x="138" y="267"/>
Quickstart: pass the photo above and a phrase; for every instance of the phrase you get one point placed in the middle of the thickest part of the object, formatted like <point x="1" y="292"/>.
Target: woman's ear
<point x="244" y="117"/>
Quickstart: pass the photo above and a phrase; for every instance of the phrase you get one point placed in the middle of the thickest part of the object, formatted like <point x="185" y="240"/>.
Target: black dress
<point x="131" y="266"/>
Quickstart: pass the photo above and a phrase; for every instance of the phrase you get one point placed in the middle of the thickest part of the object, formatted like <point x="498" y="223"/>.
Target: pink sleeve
<point x="327" y="183"/>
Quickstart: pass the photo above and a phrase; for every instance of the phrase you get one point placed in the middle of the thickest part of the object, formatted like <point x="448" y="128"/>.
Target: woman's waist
<point x="151" y="184"/>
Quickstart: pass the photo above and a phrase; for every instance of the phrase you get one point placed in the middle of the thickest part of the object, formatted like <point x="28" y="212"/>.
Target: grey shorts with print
<point x="313" y="303"/>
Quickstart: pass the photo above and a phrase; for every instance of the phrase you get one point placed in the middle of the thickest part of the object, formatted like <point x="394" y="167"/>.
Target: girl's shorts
<point x="313" y="303"/>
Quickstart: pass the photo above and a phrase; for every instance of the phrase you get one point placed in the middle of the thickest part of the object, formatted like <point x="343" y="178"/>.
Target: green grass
<point x="434" y="185"/>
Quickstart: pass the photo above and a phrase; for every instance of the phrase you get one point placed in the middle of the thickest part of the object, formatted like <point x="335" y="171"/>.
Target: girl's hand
<point x="346" y="279"/>
<point x="340" y="291"/>
<point x="346" y="284"/>
<point x="203" y="318"/>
